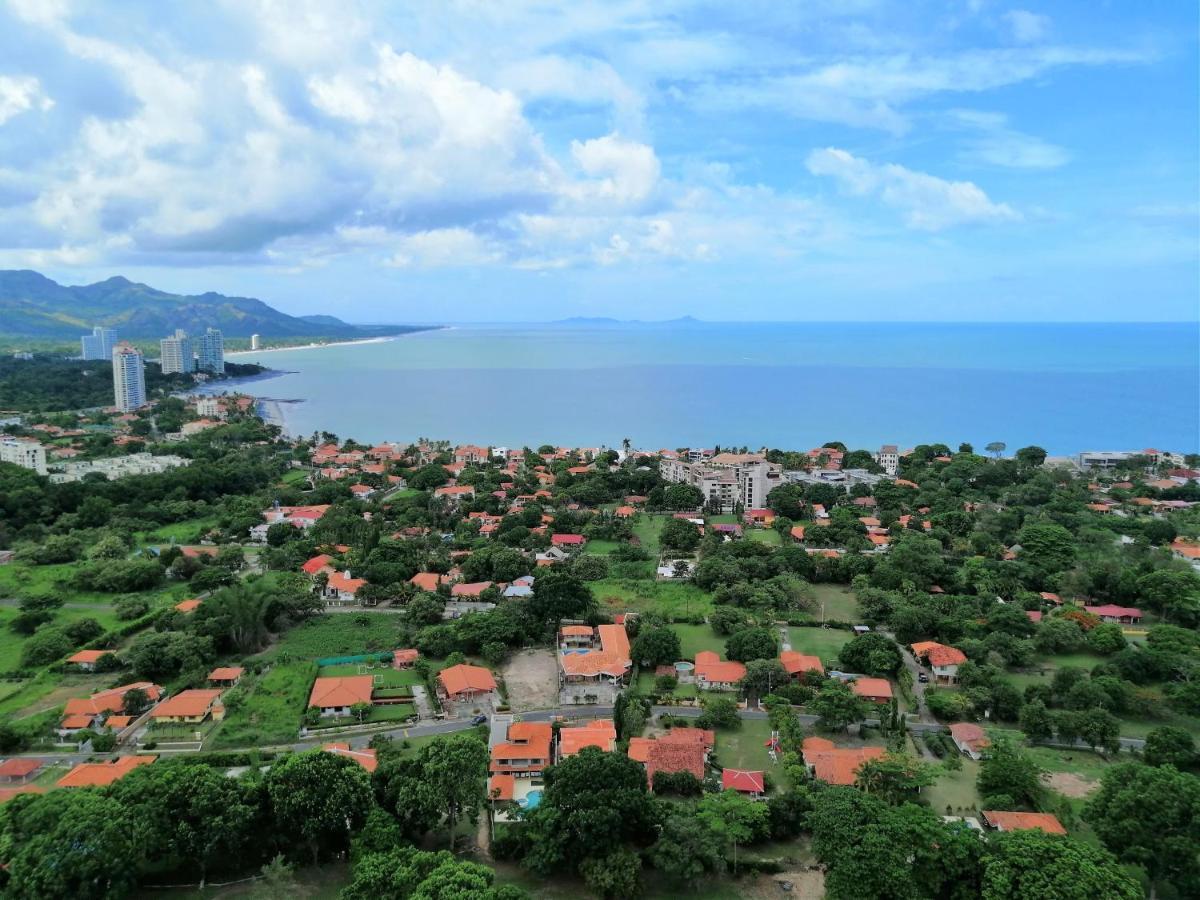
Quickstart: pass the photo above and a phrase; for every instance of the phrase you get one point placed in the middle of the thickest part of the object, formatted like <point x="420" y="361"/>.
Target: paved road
<point x="918" y="687"/>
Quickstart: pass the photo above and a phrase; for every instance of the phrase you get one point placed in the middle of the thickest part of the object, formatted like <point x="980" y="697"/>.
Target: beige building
<point x="888" y="456"/>
<point x="24" y="453"/>
<point x="728" y="479"/>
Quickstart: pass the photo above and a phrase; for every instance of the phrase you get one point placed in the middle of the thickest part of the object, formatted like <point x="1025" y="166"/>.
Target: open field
<point x="648" y="528"/>
<point x="531" y="680"/>
<point x="824" y="643"/>
<point x="49" y="690"/>
<point x="839" y="603"/>
<point x="385" y="676"/>
<point x="955" y="790"/>
<point x="665" y="598"/>
<point x="20" y="580"/>
<point x="645" y="687"/>
<point x="343" y="634"/>
<point x="601" y="548"/>
<point x="767" y="536"/>
<point x="694" y="638"/>
<point x="188" y="531"/>
<point x="746" y="748"/>
<point x="271" y="711"/>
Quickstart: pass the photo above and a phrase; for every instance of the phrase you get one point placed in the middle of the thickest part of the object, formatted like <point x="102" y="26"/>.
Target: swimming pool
<point x="530" y="800"/>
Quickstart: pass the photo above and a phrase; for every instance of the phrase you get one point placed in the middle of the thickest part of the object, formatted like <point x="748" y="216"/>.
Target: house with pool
<point x="593" y="663"/>
<point x="520" y="752"/>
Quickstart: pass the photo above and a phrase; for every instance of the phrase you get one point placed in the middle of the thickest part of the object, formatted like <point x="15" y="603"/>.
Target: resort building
<point x="99" y="344"/>
<point x="175" y="353"/>
<point x="116" y="467"/>
<point x="728" y="481"/>
<point x="129" y="378"/>
<point x="210" y="352"/>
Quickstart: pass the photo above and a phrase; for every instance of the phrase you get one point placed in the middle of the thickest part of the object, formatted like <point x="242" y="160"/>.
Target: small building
<point x="877" y="690"/>
<point x="18" y="770"/>
<point x="104" y="773"/>
<point x="1023" y="821"/>
<point x="428" y="581"/>
<point x="567" y="540"/>
<point x="334" y="696"/>
<point x="599" y="733"/>
<point x="465" y="682"/>
<point x="798" y="665"/>
<point x="1109" y="612"/>
<point x="470" y="589"/>
<point x="318" y="564"/>
<point x="834" y="765"/>
<point x="189" y="707"/>
<point x="188" y="606"/>
<point x="751" y="784"/>
<point x="341" y="589"/>
<point x="87" y="659"/>
<point x="226" y="676"/>
<point x="970" y="739"/>
<point x="364" y="757"/>
<point x="714" y="674"/>
<point x="405" y="659"/>
<point x="943" y="660"/>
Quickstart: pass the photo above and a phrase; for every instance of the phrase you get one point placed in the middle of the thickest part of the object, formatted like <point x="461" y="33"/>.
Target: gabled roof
<point x="1023" y="821"/>
<point x="839" y="766"/>
<point x="463" y="678"/>
<point x="19" y="768"/>
<point x="675" y="756"/>
<point x="571" y="540"/>
<point x="105" y="773"/>
<point x="341" y="581"/>
<point x="872" y="688"/>
<point x="365" y="757"/>
<point x="743" y="780"/>
<point x="341" y="691"/>
<point x="427" y="581"/>
<point x="710" y="667"/>
<point x="226" y="673"/>
<point x="599" y="733"/>
<point x="187" y="704"/>
<point x="1111" y="609"/>
<point x="111" y="700"/>
<point x="88" y="656"/>
<point x="470" y="589"/>
<point x="970" y="734"/>
<point x="795" y="663"/>
<point x="316" y="564"/>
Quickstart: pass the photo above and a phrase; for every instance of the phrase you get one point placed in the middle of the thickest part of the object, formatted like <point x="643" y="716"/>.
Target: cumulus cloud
<point x="20" y="94"/>
<point x="929" y="203"/>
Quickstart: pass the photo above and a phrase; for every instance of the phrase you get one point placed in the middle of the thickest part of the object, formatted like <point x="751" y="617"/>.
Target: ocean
<point x="1064" y="387"/>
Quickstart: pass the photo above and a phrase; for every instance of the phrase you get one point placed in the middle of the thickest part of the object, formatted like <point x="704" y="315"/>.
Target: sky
<point x="461" y="160"/>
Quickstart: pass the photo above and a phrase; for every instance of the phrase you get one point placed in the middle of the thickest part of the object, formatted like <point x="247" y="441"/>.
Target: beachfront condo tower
<point x="255" y="342"/>
<point x="210" y="352"/>
<point x="176" y="353"/>
<point x="99" y="344"/>
<point x="129" y="378"/>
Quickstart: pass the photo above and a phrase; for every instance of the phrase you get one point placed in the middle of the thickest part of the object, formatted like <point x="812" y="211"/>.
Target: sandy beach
<point x="383" y="339"/>
<point x="272" y="413"/>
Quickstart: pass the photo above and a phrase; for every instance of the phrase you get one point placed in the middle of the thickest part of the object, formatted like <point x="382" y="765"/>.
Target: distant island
<point x="35" y="307"/>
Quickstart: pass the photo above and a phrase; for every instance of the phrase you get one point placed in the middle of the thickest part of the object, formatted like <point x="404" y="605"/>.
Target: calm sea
<point x="1064" y="387"/>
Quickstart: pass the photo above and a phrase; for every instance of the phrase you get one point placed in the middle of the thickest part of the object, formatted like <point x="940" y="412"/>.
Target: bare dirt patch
<point x="1069" y="784"/>
<point x="806" y="885"/>
<point x="531" y="678"/>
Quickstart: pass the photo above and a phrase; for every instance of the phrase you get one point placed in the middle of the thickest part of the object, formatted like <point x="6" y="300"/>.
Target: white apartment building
<point x="210" y="352"/>
<point x="116" y="466"/>
<point x="888" y="456"/>
<point x="175" y="353"/>
<point x="129" y="378"/>
<point x="24" y="453"/>
<point x="728" y="480"/>
<point x="209" y="408"/>
<point x="255" y="342"/>
<point x="99" y="344"/>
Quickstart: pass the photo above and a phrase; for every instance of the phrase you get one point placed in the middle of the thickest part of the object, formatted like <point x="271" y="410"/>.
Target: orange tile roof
<point x="639" y="749"/>
<point x="187" y="704"/>
<point x="365" y="757"/>
<point x="427" y="581"/>
<point x="403" y="657"/>
<point x="501" y="787"/>
<point x="576" y="631"/>
<point x="705" y="737"/>
<point x="600" y="733"/>
<point x="78" y="720"/>
<point x="1023" y="821"/>
<point x="116" y="723"/>
<point x="816" y="744"/>
<point x="946" y="656"/>
<point x="743" y="780"/>
<point x="465" y="678"/>
<point x="331" y="692"/>
<point x="341" y="581"/>
<point x="19" y="768"/>
<point x="797" y="532"/>
<point x="795" y="663"/>
<point x="316" y="564"/>
<point x="102" y="774"/>
<point x="226" y="673"/>
<point x="470" y="589"/>
<point x="111" y="700"/>
<point x="872" y="688"/>
<point x="970" y="734"/>
<point x="675" y="756"/>
<point x="710" y="667"/>
<point x="840" y="766"/>
<point x="87" y="656"/>
<point x="187" y="606"/>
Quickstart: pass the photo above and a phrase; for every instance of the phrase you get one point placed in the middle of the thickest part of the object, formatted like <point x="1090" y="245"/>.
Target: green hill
<point x="33" y="306"/>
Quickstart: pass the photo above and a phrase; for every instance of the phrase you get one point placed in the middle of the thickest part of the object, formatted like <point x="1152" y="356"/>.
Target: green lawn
<point x="295" y="476"/>
<point x="188" y="531"/>
<point x="694" y="638"/>
<point x="665" y="598"/>
<point x="341" y="634"/>
<point x="271" y="711"/>
<point x="385" y="676"/>
<point x="765" y="536"/>
<point x="601" y="548"/>
<point x="746" y="748"/>
<point x="19" y="580"/>
<point x="395" y="713"/>
<point x="11" y="642"/>
<point x="645" y="687"/>
<point x="722" y="520"/>
<point x="956" y="790"/>
<point x="839" y="603"/>
<point x="824" y="643"/>
<point x="648" y="528"/>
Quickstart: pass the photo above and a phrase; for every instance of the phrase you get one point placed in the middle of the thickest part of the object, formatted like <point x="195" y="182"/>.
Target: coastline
<point x="381" y="339"/>
<point x="271" y="412"/>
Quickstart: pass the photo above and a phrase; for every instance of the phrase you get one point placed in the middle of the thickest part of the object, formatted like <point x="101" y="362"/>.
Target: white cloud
<point x="623" y="171"/>
<point x="20" y="94"/>
<point x="928" y="202"/>
<point x="992" y="141"/>
<point x="1027" y="27"/>
<point x="444" y="247"/>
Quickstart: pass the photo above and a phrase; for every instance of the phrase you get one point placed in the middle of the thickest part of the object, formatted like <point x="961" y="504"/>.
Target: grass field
<point x="397" y="712"/>
<point x="19" y="580"/>
<point x="601" y="548"/>
<point x="824" y="643"/>
<point x="341" y="634"/>
<point x="11" y="643"/>
<point x="295" y="476"/>
<point x="767" y="536"/>
<point x="385" y="676"/>
<point x="746" y="747"/>
<point x="648" y="528"/>
<point x="840" y="604"/>
<point x="665" y="598"/>
<point x="271" y="712"/>
<point x="955" y="789"/>
<point x="645" y="686"/>
<point x="188" y="531"/>
<point x="694" y="638"/>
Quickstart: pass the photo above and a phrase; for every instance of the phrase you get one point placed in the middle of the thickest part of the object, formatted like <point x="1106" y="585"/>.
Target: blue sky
<point x="479" y="161"/>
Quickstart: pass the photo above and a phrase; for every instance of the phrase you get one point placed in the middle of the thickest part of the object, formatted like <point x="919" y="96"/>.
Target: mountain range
<point x="34" y="306"/>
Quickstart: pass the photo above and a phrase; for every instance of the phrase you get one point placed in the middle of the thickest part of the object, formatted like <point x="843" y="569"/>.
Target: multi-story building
<point x="255" y="342"/>
<point x="210" y="352"/>
<point x="1103" y="460"/>
<point x="24" y="453"/>
<point x="728" y="480"/>
<point x="176" y="353"/>
<point x="888" y="457"/>
<point x="99" y="344"/>
<point x="129" y="378"/>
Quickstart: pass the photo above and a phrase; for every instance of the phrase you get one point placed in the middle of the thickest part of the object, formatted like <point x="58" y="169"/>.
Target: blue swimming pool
<point x="531" y="800"/>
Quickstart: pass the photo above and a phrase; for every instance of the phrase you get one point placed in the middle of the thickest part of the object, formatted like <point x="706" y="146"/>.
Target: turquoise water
<point x="1065" y="387"/>
<point x="531" y="800"/>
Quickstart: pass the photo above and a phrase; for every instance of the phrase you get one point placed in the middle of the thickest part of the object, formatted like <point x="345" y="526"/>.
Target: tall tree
<point x="319" y="799"/>
<point x="1023" y="864"/>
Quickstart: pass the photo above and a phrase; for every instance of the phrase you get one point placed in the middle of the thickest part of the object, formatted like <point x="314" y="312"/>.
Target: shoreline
<point x="380" y="339"/>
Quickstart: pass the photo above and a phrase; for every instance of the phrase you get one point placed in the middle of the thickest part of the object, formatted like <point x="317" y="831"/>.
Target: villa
<point x="603" y="657"/>
<point x="599" y="733"/>
<point x="189" y="707"/>
<point x="104" y="773"/>
<point x="463" y="683"/>
<point x="877" y="690"/>
<point x="798" y="665"/>
<point x="713" y="674"/>
<point x="335" y="696"/>
<point x="833" y="765"/>
<point x="943" y="660"/>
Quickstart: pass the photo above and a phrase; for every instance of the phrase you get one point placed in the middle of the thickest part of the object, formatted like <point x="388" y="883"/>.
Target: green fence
<point x="362" y="658"/>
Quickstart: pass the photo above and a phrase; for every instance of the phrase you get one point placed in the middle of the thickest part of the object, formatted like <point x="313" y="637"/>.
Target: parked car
<point x="923" y="678"/>
<point x="479" y="719"/>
